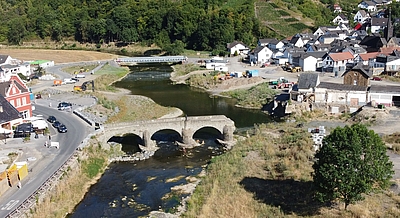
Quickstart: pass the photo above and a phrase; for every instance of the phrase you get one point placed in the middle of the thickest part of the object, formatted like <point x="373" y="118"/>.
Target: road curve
<point x="77" y="131"/>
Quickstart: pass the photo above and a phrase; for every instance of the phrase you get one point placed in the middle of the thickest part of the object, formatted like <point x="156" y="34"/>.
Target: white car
<point x="68" y="81"/>
<point x="80" y="76"/>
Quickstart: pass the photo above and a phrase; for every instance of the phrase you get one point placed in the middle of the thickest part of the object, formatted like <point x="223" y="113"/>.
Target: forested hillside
<point x="193" y="24"/>
<point x="199" y="24"/>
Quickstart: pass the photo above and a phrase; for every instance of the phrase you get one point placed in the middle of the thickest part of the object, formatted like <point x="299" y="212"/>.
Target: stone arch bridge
<point x="185" y="126"/>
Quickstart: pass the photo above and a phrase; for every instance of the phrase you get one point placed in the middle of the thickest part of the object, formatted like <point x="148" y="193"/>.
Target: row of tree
<point x="199" y="24"/>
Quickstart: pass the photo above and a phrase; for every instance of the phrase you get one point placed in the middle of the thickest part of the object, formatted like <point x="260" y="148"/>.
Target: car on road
<point x="62" y="128"/>
<point x="56" y="124"/>
<point x="376" y="78"/>
<point x="80" y="76"/>
<point x="68" y="81"/>
<point x="64" y="106"/>
<point x="51" y="119"/>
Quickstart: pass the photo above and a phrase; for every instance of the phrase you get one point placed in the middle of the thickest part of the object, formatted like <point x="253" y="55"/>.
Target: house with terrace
<point x="337" y="62"/>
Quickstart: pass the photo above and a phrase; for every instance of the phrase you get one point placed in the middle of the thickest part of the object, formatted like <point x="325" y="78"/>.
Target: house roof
<point x="308" y="80"/>
<point x="4" y="86"/>
<point x="373" y="41"/>
<point x="362" y="69"/>
<point x="9" y="112"/>
<point x="367" y="56"/>
<point x="269" y="41"/>
<point x="258" y="49"/>
<point x="358" y="50"/>
<point x="341" y="87"/>
<point x="234" y="43"/>
<point x="3" y="58"/>
<point x="384" y="89"/>
<point x="381" y="22"/>
<point x="341" y="56"/>
<point x="342" y="16"/>
<point x="370" y="3"/>
<point x="316" y="54"/>
<point x="388" y="50"/>
<point x="363" y="13"/>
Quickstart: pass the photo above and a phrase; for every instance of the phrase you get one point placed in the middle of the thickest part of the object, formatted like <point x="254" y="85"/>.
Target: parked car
<point x="376" y="78"/>
<point x="64" y="106"/>
<point x="62" y="128"/>
<point x="76" y="79"/>
<point x="51" y="119"/>
<point x="56" y="124"/>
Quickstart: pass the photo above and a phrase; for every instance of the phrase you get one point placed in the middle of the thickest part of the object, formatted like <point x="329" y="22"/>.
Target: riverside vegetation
<point x="267" y="174"/>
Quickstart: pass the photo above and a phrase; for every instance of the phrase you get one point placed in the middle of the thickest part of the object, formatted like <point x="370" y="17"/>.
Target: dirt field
<point x="58" y="56"/>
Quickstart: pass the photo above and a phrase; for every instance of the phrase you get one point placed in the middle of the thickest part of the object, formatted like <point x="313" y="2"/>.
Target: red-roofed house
<point x="365" y="58"/>
<point x="17" y="93"/>
<point x="336" y="62"/>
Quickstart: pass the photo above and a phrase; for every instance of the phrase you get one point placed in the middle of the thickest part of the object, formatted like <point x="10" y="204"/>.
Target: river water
<point x="133" y="189"/>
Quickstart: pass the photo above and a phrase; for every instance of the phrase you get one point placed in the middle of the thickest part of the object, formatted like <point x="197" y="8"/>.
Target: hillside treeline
<point x="195" y="24"/>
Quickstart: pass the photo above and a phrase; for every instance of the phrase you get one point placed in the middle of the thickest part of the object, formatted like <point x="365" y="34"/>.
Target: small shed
<point x="359" y="75"/>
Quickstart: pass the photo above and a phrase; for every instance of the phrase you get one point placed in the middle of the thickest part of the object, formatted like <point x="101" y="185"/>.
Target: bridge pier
<point x="187" y="137"/>
<point x="148" y="143"/>
<point x="228" y="133"/>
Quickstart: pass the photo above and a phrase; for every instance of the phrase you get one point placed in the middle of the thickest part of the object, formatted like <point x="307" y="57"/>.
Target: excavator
<point x="84" y="86"/>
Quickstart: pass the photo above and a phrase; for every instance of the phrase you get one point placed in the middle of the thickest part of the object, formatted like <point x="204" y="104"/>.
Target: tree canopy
<point x="351" y="161"/>
<point x="195" y="24"/>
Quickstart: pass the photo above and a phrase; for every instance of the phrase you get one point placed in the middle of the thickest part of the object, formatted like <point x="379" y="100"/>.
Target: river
<point x="133" y="189"/>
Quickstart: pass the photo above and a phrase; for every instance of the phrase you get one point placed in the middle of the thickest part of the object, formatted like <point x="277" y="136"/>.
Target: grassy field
<point x="269" y="175"/>
<point x="275" y="15"/>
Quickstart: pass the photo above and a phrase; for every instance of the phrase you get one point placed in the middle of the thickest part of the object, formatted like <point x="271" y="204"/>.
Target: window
<point x="24" y="101"/>
<point x="18" y="102"/>
<point x="355" y="82"/>
<point x="24" y="114"/>
<point x="12" y="103"/>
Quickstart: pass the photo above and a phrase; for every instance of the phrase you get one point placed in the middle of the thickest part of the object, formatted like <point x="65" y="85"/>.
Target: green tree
<point x="351" y="161"/>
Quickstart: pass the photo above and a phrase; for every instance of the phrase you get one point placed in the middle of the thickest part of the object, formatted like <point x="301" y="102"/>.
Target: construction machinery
<point x="296" y="69"/>
<point x="84" y="86"/>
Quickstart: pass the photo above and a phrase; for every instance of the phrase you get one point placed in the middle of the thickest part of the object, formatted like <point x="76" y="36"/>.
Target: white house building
<point x="340" y="19"/>
<point x="361" y="17"/>
<point x="378" y="24"/>
<point x="308" y="63"/>
<point x="260" y="55"/>
<point x="336" y="62"/>
<point x="370" y="6"/>
<point x="237" y="47"/>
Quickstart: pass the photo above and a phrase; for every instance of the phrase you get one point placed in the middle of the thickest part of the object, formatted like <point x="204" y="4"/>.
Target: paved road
<point x="44" y="168"/>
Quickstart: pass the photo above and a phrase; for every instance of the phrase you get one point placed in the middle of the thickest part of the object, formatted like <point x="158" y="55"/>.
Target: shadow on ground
<point x="290" y="195"/>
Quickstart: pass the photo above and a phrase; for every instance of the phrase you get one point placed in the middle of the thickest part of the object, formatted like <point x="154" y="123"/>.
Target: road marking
<point x="10" y="205"/>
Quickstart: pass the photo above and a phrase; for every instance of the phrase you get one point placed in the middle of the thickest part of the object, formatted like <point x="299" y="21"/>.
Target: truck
<point x="278" y="81"/>
<point x="57" y="82"/>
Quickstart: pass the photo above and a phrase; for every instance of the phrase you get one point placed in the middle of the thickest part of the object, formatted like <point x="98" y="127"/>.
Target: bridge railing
<point x="168" y="120"/>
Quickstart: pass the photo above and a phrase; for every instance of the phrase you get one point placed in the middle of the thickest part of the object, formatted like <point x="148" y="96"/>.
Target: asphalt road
<point x="51" y="161"/>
